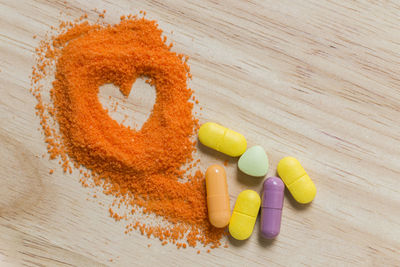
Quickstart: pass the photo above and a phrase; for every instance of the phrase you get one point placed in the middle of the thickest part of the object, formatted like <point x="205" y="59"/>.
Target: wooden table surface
<point x="318" y="80"/>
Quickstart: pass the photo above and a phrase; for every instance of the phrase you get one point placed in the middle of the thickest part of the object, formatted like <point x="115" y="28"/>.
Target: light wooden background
<point x="318" y="80"/>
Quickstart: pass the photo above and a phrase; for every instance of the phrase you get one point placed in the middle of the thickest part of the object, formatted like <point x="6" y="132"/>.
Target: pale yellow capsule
<point x="244" y="214"/>
<point x="296" y="180"/>
<point x="222" y="139"/>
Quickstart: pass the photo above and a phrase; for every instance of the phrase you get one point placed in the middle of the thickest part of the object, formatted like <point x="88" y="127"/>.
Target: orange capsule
<point x="218" y="206"/>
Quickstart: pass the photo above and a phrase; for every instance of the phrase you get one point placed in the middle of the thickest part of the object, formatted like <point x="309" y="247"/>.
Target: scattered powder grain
<point x="142" y="168"/>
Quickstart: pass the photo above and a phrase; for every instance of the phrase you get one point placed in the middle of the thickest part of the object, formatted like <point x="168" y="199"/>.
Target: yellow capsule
<point x="222" y="139"/>
<point x="244" y="214"/>
<point x="219" y="210"/>
<point x="296" y="180"/>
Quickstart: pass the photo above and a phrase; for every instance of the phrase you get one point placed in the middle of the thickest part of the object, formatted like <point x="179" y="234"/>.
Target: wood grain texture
<point x="318" y="80"/>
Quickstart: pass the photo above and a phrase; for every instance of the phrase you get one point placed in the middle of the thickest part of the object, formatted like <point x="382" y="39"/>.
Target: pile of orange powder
<point x="142" y="169"/>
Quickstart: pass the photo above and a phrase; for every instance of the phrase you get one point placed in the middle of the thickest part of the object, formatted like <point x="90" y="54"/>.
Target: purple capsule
<point x="271" y="207"/>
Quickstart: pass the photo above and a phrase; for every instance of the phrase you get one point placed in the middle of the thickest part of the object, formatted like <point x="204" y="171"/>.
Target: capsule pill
<point x="244" y="215"/>
<point x="271" y="207"/>
<point x="219" y="212"/>
<point x="222" y="139"/>
<point x="296" y="180"/>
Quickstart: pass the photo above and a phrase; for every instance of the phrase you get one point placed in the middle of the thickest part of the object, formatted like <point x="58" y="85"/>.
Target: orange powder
<point x="141" y="168"/>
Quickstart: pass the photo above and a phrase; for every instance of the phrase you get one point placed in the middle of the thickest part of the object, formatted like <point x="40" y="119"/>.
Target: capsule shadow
<point x="294" y="203"/>
<point x="264" y="242"/>
<point x="236" y="243"/>
<point x="215" y="154"/>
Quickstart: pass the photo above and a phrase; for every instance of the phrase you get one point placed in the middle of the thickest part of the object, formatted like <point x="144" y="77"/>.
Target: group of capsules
<point x="253" y="162"/>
